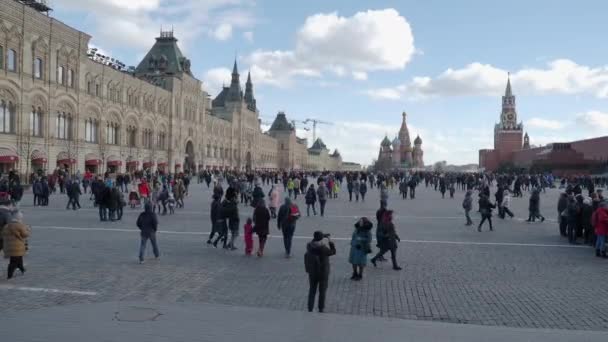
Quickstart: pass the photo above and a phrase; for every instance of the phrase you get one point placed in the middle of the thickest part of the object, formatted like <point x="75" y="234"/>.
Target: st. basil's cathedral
<point x="399" y="153"/>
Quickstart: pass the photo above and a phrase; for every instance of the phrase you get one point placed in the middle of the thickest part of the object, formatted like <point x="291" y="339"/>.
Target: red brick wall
<point x="596" y="148"/>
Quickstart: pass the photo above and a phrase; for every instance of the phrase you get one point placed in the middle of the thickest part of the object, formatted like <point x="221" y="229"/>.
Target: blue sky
<point x="359" y="64"/>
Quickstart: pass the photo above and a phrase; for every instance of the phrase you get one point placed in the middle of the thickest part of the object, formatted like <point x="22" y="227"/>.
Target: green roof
<point x="164" y="58"/>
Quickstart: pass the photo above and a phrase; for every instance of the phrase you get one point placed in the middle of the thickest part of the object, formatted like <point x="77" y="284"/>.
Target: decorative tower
<point x="508" y="133"/>
<point x="385" y="155"/>
<point x="417" y="154"/>
<point x="406" y="144"/>
<point x="234" y="92"/>
<point x="396" y="152"/>
<point x="526" y="141"/>
<point x="249" y="98"/>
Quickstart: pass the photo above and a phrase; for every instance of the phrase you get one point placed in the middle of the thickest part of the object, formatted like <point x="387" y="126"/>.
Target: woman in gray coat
<point x="360" y="247"/>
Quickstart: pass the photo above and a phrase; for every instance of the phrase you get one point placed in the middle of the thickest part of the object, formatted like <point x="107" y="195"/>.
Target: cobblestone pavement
<point x="520" y="275"/>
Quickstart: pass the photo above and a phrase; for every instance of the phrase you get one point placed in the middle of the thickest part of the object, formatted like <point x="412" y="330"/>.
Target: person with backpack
<point x="316" y="263"/>
<point x="311" y="199"/>
<point x="289" y="213"/>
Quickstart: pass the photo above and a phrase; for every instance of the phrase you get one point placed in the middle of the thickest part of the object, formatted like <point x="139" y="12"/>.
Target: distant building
<point x="512" y="148"/>
<point x="399" y="153"/>
<point x="63" y="105"/>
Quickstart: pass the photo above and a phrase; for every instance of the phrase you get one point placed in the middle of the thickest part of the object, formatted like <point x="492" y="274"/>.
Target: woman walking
<point x="360" y="247"/>
<point x="389" y="240"/>
<point x="14" y="236"/>
<point x="261" y="220"/>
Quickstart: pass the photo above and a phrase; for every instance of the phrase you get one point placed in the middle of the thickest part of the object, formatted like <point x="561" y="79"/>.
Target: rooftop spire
<point x="249" y="77"/>
<point x="508" y="91"/>
<point x="235" y="69"/>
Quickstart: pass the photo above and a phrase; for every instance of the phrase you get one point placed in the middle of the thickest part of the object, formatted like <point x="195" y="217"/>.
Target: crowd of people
<point x="579" y="216"/>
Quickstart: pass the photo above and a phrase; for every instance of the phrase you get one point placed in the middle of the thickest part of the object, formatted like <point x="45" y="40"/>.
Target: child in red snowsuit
<point x="248" y="236"/>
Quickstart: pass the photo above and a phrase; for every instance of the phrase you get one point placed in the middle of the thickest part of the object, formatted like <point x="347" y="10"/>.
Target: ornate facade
<point x="399" y="153"/>
<point x="60" y="108"/>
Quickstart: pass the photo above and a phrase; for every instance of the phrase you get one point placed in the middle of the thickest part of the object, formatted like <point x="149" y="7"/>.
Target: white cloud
<point x="545" y="124"/>
<point x="384" y="94"/>
<point x="594" y="119"/>
<point x="367" y="41"/>
<point x="215" y="78"/>
<point x="248" y="35"/>
<point x="359" y="75"/>
<point x="560" y="76"/>
<point x="133" y="24"/>
<point x="223" y="32"/>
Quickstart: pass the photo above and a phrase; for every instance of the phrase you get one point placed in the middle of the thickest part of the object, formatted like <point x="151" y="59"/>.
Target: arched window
<point x="70" y="81"/>
<point x="11" y="62"/>
<point x="7" y="117"/>
<point x="38" y="72"/>
<point x="63" y="124"/>
<point x="131" y="136"/>
<point x="91" y="127"/>
<point x="36" y="122"/>
<point x="112" y="133"/>
<point x="60" y="75"/>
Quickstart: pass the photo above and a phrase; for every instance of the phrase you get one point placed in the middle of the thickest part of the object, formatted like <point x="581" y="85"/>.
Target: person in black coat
<point x="388" y="239"/>
<point x="562" y="205"/>
<point x="147" y="222"/>
<point x="316" y="262"/>
<point x="216" y="208"/>
<point x="485" y="208"/>
<point x="311" y="199"/>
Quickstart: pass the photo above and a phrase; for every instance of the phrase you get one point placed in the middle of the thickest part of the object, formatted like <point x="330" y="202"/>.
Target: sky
<point x="359" y="64"/>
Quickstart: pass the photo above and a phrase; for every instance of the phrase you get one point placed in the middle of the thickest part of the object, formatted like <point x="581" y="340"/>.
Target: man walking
<point x="316" y="262"/>
<point x="289" y="213"/>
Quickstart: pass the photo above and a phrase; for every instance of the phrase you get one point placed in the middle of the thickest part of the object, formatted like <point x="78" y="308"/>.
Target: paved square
<point x="520" y="275"/>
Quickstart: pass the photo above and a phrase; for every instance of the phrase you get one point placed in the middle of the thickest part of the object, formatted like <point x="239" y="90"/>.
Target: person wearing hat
<point x="389" y="240"/>
<point x="360" y="247"/>
<point x="316" y="262"/>
<point x="15" y="235"/>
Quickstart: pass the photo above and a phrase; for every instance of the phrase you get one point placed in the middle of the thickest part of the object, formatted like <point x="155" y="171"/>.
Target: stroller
<point x="134" y="200"/>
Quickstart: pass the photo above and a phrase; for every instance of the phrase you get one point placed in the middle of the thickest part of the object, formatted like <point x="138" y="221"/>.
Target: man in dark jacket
<point x="316" y="262"/>
<point x="147" y="222"/>
<point x="101" y="198"/>
<point x="286" y="222"/>
<point x="562" y="205"/>
<point x="216" y="208"/>
<point x="74" y="194"/>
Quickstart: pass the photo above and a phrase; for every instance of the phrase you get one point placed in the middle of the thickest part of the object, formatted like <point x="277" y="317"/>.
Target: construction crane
<point x="314" y="126"/>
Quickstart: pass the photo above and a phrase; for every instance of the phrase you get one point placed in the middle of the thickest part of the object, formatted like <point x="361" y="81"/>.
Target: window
<point x="90" y="87"/>
<point x="70" y="82"/>
<point x="131" y="136"/>
<point x="91" y="127"/>
<point x="36" y="122"/>
<point x="60" y="75"/>
<point x="97" y="89"/>
<point x="160" y="143"/>
<point x="63" y="124"/>
<point x="146" y="138"/>
<point x="1" y="58"/>
<point x="112" y="133"/>
<point x="7" y="117"/>
<point x="38" y="68"/>
<point x="11" y="62"/>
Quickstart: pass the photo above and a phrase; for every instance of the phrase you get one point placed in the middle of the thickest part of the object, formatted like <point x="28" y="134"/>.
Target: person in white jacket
<point x="506" y="204"/>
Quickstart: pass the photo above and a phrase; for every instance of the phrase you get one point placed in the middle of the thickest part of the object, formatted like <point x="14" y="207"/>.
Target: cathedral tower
<point x="508" y="134"/>
<point x="406" y="144"/>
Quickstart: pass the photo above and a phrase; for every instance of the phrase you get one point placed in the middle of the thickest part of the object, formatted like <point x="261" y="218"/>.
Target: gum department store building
<point x="59" y="107"/>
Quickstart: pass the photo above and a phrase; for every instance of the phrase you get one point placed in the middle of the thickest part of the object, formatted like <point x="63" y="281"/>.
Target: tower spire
<point x="508" y="91"/>
<point x="235" y="69"/>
